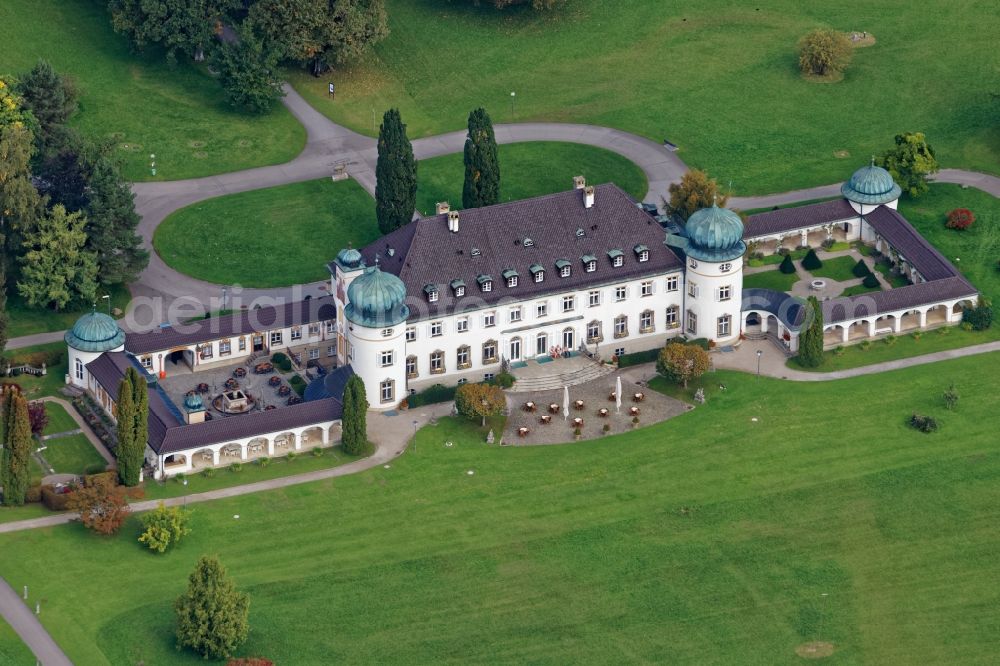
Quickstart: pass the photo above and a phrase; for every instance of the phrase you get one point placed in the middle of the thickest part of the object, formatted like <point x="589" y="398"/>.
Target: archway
<point x="937" y="315"/>
<point x="312" y="438"/>
<point x="202" y="459"/>
<point x="231" y="453"/>
<point x="284" y="443"/>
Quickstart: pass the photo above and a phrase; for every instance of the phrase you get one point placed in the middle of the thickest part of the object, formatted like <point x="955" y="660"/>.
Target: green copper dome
<point x="715" y="234"/>
<point x="871" y="185"/>
<point x="376" y="299"/>
<point x="193" y="402"/>
<point x="349" y="258"/>
<point x="95" y="332"/>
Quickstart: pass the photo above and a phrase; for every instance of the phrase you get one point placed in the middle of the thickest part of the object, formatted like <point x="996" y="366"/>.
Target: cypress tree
<point x="140" y="429"/>
<point x="482" y="166"/>
<point x="354" y="427"/>
<point x="787" y="266"/>
<point x="395" y="175"/>
<point x="212" y="614"/>
<point x="17" y="448"/>
<point x="126" y="430"/>
<point x="811" y="339"/>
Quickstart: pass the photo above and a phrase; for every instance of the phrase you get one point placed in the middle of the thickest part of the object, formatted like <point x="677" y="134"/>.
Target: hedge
<point x="637" y="358"/>
<point x="434" y="394"/>
<point x="283" y="362"/>
<point x="298" y="384"/>
<point x="53" y="500"/>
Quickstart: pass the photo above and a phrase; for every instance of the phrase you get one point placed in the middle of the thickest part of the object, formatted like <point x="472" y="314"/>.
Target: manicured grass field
<point x="530" y="170"/>
<point x="895" y="279"/>
<point x="59" y="419"/>
<point x="718" y="78"/>
<point x="139" y="102"/>
<point x="775" y="280"/>
<point x="13" y="651"/>
<point x="859" y="289"/>
<point x="710" y="538"/>
<point x="52" y="381"/>
<point x="73" y="454"/>
<point x="837" y="268"/>
<point x="273" y="237"/>
<point x="26" y="320"/>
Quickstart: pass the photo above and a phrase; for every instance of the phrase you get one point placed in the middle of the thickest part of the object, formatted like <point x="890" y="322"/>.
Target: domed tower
<point x="343" y="270"/>
<point x="376" y="335"/>
<point x="870" y="187"/>
<point x="93" y="334"/>
<point x="714" y="276"/>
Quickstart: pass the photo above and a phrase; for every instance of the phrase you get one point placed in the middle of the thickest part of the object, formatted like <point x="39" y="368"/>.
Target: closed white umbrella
<point x="565" y="403"/>
<point x="618" y="394"/>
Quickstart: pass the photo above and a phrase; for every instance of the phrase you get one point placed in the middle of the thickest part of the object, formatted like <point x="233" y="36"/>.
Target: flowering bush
<point x="960" y="219"/>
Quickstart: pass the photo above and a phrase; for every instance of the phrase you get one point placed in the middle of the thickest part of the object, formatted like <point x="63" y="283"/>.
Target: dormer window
<point x="510" y="277"/>
<point x="458" y="288"/>
<point x="617" y="257"/>
<point x="528" y="243"/>
<point x="485" y="283"/>
<point x="589" y="263"/>
<point x="564" y="268"/>
<point x="432" y="293"/>
<point x="537" y="272"/>
<point x="476" y="252"/>
<point x="642" y="253"/>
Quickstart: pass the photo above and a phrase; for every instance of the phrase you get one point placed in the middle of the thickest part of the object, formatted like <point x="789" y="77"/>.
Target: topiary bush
<point x="282" y="361"/>
<point x="861" y="269"/>
<point x="960" y="219"/>
<point x="787" y="265"/>
<point x="923" y="423"/>
<point x="870" y="281"/>
<point x="811" y="261"/>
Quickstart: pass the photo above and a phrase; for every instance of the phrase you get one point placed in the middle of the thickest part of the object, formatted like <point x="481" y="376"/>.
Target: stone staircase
<point x="557" y="380"/>
<point x="774" y="340"/>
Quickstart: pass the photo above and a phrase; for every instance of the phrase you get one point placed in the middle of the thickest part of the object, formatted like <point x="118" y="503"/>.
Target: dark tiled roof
<point x="232" y="428"/>
<point x="789" y="219"/>
<point x="331" y="385"/>
<point x="785" y="307"/>
<point x="900" y="234"/>
<point x="913" y="295"/>
<point x="425" y="252"/>
<point x="296" y="313"/>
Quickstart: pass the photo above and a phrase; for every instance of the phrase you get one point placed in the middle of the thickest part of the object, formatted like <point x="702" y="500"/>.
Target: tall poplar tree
<point x="354" y="426"/>
<point x="811" y="340"/>
<point x="482" y="165"/>
<point x="395" y="174"/>
<point x="140" y="428"/>
<point x="16" y="447"/>
<point x="133" y="416"/>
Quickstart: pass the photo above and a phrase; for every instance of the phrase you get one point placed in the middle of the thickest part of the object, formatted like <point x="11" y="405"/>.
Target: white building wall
<point x="369" y="350"/>
<point x="77" y="374"/>
<point x="714" y="290"/>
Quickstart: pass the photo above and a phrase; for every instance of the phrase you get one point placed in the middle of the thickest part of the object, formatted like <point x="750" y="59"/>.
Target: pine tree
<point x="56" y="269"/>
<point x="354" y="427"/>
<point x="482" y="165"/>
<point x="112" y="222"/>
<point x="787" y="265"/>
<point x="212" y="614"/>
<point x="395" y="175"/>
<point x="811" y="339"/>
<point x="16" y="447"/>
<point x="50" y="97"/>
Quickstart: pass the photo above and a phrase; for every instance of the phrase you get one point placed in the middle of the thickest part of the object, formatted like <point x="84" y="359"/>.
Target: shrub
<point x="250" y="661"/>
<point x="577" y="432"/>
<point x="102" y="504"/>
<point x="838" y="351"/>
<point x="606" y="428"/>
<point x="950" y="397"/>
<point x="700" y="342"/>
<point x="787" y="265"/>
<point x="811" y="261"/>
<point x="923" y="423"/>
<point x="890" y="340"/>
<point x="960" y="219"/>
<point x="828" y="243"/>
<point x="871" y="281"/>
<point x="282" y="362"/>
<point x="865" y="345"/>
<point x="291" y="455"/>
<point x="503" y="380"/>
<point x="55" y="501"/>
<point x="861" y="269"/>
<point x="636" y="358"/>
<point x="480" y="401"/>
<point x="164" y="527"/>
<point x="980" y="317"/>
<point x="264" y="461"/>
<point x="236" y="467"/>
<point x="318" y="451"/>
<point x="783" y="251"/>
<point x="208" y="472"/>
<point x="682" y="363"/>
<point x="434" y="394"/>
<point x="298" y="384"/>
<point x="916" y="335"/>
<point x="33" y="495"/>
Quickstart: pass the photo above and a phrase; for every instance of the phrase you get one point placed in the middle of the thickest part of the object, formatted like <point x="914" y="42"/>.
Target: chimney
<point x="442" y="207"/>
<point x="588" y="196"/>
<point x="579" y="182"/>
<point x="453" y="221"/>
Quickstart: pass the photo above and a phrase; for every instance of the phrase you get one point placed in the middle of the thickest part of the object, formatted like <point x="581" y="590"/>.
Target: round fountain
<point x="817" y="285"/>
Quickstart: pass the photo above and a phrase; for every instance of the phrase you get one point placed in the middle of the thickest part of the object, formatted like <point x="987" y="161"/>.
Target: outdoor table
<point x="554" y="408"/>
<point x="577" y="422"/>
<point x="578" y="404"/>
<point x="546" y="419"/>
<point x="639" y="397"/>
<point x="633" y="411"/>
<point x="602" y="412"/>
<point x="522" y="431"/>
<point x="529" y="406"/>
<point x="612" y="396"/>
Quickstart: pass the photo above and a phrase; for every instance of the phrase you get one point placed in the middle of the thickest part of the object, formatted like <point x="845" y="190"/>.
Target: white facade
<point x="77" y="374"/>
<point x="714" y="298"/>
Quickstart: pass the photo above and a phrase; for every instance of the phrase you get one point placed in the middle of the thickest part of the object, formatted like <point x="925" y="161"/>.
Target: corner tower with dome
<point x="92" y="335"/>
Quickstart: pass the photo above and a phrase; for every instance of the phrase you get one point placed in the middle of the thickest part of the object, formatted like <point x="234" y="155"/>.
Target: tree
<point x="980" y="317"/>
<point x="14" y="457"/>
<point x="112" y="223"/>
<point x="320" y="33"/>
<point x="695" y="191"/>
<point x="482" y="165"/>
<point x="535" y="4"/>
<point x="861" y="269"/>
<point x="395" y="174"/>
<point x="811" y="339"/>
<point x="354" y="427"/>
<point x="811" y="261"/>
<point x="164" y="527"/>
<point x="37" y="417"/>
<point x="56" y="269"/>
<point x="682" y="363"/>
<point x="950" y="396"/>
<point x="871" y="280"/>
<point x="177" y="25"/>
<point x="480" y="400"/>
<point x="787" y="265"/>
<point x="101" y="503"/>
<point x="133" y="416"/>
<point x="910" y="162"/>
<point x="248" y="71"/>
<point x="50" y="97"/>
<point x="960" y="219"/>
<point x="824" y="53"/>
<point x="212" y="614"/>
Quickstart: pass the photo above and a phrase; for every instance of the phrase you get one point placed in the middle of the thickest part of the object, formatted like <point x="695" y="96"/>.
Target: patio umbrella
<point x="618" y="394"/>
<point x="565" y="403"/>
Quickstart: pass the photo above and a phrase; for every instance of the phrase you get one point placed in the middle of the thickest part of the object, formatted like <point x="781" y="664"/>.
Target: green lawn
<point x="52" y="381"/>
<point x="26" y="320"/>
<point x="73" y="454"/>
<point x="774" y="279"/>
<point x="138" y="101"/>
<point x="895" y="279"/>
<point x="59" y="419"/>
<point x="529" y="170"/>
<point x="775" y="259"/>
<point x="859" y="289"/>
<point x="837" y="268"/>
<point x="718" y="78"/>
<point x="710" y="538"/>
<point x="273" y="237"/>
<point x="13" y="651"/>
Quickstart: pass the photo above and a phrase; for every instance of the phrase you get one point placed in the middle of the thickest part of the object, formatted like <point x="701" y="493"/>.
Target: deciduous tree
<point x="212" y="614"/>
<point x="482" y="163"/>
<point x="695" y="191"/>
<point x="102" y="505"/>
<point x="248" y="71"/>
<point x="164" y="527"/>
<point x="910" y="162"/>
<point x="20" y="205"/>
<point x="395" y="174"/>
<point x="14" y="457"/>
<point x="177" y="25"/>
<point x="480" y="400"/>
<point x="825" y="52"/>
<point x="37" y="416"/>
<point x="682" y="363"/>
<point x="57" y="269"/>
<point x="811" y="339"/>
<point x="354" y="426"/>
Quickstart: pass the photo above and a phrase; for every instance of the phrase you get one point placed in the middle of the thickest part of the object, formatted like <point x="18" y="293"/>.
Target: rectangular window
<point x="692" y="290"/>
<point x="462" y="325"/>
<point x="296" y="333"/>
<point x="331" y="350"/>
<point x="672" y="283"/>
<point x="437" y="362"/>
<point x="568" y="303"/>
<point x="206" y="351"/>
<point x="437" y="328"/>
<point x="276" y="337"/>
<point x="512" y="281"/>
<point x="243" y="344"/>
<point x="564" y="271"/>
<point x="644" y="256"/>
<point x="147" y="362"/>
<point x="411" y="333"/>
<point x="646" y="288"/>
<point x="620" y="293"/>
<point x="489" y="319"/>
<point x="225" y="347"/>
<point x="489" y="352"/>
<point x="313" y="353"/>
<point x="725" y="323"/>
<point x="671" y="316"/>
<point x="432" y="296"/>
<point x="646" y="321"/>
<point x="725" y="293"/>
<point x="539" y="276"/>
<point x="594" y="298"/>
<point x="462" y="357"/>
<point x="515" y="314"/>
<point x="617" y="261"/>
<point x="386" y="390"/>
<point x="411" y="366"/>
<point x="541" y="309"/>
<point x="621" y="327"/>
<point x="692" y="326"/>
<point x="619" y="352"/>
<point x="488" y="285"/>
<point x="387" y="332"/>
<point x="385" y="358"/>
<point x="591" y="266"/>
<point x="331" y="326"/>
<point x="488" y="376"/>
<point x="594" y="331"/>
<point x="313" y="330"/>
